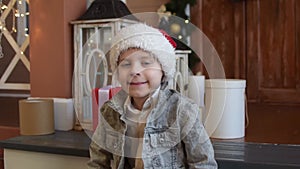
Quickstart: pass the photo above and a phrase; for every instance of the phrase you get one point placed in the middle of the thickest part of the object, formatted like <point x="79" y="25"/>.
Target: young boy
<point x="147" y="125"/>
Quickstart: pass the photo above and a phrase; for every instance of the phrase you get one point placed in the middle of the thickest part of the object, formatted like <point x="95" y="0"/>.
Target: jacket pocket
<point x="162" y="149"/>
<point x="165" y="139"/>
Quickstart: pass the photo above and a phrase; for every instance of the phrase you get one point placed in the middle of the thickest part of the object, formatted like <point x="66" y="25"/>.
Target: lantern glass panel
<point x="92" y="42"/>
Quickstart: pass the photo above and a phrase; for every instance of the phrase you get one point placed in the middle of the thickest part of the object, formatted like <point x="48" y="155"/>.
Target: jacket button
<point x="115" y="145"/>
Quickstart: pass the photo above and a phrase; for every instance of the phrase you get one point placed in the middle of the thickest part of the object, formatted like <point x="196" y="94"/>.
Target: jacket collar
<point x="117" y="102"/>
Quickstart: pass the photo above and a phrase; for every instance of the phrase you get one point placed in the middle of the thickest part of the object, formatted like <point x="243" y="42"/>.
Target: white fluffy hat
<point x="149" y="39"/>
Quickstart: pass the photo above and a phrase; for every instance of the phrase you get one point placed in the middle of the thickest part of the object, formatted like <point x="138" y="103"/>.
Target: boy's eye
<point x="147" y="61"/>
<point x="124" y="64"/>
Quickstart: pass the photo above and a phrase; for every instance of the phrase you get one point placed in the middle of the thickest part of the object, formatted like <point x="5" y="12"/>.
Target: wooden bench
<point x="229" y="154"/>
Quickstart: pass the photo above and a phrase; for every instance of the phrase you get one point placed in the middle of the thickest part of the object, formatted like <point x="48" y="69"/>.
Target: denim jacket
<point x="174" y="136"/>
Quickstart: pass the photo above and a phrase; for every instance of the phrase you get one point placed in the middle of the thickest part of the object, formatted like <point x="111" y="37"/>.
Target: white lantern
<point x="92" y="40"/>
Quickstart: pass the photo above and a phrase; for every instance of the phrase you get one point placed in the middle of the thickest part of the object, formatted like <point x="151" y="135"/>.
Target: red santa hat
<point x="149" y="39"/>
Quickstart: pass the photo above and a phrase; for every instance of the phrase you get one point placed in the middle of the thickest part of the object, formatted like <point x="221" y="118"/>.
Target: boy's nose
<point x="136" y="69"/>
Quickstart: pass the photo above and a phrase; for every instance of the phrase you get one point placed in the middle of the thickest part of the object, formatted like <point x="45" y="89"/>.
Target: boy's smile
<point x="137" y="83"/>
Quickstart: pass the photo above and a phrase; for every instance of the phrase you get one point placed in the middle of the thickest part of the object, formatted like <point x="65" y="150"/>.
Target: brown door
<point x="273" y="57"/>
<point x="257" y="40"/>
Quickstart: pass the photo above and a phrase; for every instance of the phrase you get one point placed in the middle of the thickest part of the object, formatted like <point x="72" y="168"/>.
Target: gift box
<point x="100" y="96"/>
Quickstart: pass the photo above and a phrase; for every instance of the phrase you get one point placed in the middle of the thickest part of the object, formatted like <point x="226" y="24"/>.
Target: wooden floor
<point x="273" y="124"/>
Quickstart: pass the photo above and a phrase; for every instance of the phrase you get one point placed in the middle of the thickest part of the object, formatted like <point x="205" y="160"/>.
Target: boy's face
<point x="139" y="73"/>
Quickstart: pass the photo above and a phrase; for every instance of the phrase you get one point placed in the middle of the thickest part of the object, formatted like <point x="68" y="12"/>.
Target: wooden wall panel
<point x="252" y="40"/>
<point x="223" y="22"/>
<point x="144" y="5"/>
<point x="297" y="20"/>
<point x="273" y="61"/>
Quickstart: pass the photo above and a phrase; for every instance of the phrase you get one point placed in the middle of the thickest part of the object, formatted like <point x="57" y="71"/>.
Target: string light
<point x="26" y="30"/>
<point x="16" y="14"/>
<point x="3" y="7"/>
